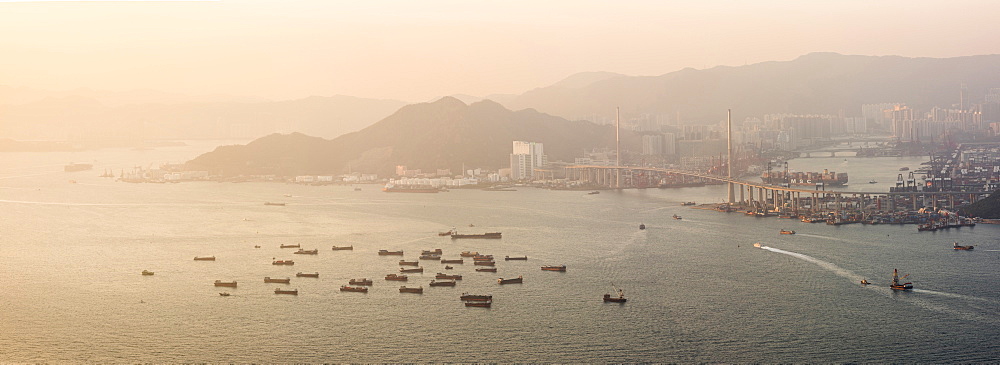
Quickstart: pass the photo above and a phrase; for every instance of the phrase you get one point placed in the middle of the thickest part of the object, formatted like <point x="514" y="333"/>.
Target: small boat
<point x="396" y="277"/>
<point x="757" y="245"/>
<point x="446" y="276"/>
<point x="895" y="282"/>
<point x="469" y="254"/>
<point x="204" y="258"/>
<point x="286" y="291"/>
<point x="619" y="299"/>
<point x="864" y="282"/>
<point x="223" y="294"/>
<point x="642" y="226"/>
<point x="307" y="275"/>
<point x="359" y="289"/>
<point x="517" y="280"/>
<point x="490" y="235"/>
<point x="446" y="267"/>
<point x="904" y="168"/>
<point x="521" y="258"/>
<point x="290" y="246"/>
<point x="787" y="232"/>
<point x="442" y="283"/>
<point x="448" y="233"/>
<point x="390" y="253"/>
<point x="430" y="257"/>
<point x="436" y="251"/>
<point x="595" y="192"/>
<point x="956" y="246"/>
<point x="675" y="216"/>
<point x="485" y="263"/>
<point x="307" y="252"/>
<point x="684" y="204"/>
<point x="419" y="269"/>
<point x="554" y="268"/>
<point x="147" y="272"/>
<point x="409" y="263"/>
<point x="338" y="248"/>
<point x="872" y="181"/>
<point x="458" y="261"/>
<point x="419" y="290"/>
<point x="476" y="297"/>
<point x="479" y="304"/>
<point x="231" y="284"/>
<point x="487" y="269"/>
<point x="282" y="262"/>
<point x="277" y="280"/>
<point x="275" y="204"/>
<point x="365" y="281"/>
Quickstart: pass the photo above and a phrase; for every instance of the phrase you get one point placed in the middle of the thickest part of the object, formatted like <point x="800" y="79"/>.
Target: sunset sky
<point x="418" y="50"/>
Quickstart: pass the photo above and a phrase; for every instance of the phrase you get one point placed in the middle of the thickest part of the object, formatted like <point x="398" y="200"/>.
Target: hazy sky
<point x="415" y="50"/>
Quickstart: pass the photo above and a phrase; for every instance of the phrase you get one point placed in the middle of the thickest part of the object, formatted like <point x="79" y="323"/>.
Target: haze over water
<point x="698" y="290"/>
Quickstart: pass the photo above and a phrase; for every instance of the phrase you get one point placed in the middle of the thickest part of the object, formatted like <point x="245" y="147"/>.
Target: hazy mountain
<point x="816" y="83"/>
<point x="76" y="117"/>
<point x="441" y="134"/>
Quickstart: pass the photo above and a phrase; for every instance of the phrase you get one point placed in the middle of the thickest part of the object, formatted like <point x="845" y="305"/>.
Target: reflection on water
<point x="698" y="291"/>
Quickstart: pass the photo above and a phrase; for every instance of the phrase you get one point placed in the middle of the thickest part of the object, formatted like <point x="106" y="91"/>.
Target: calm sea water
<point x="71" y="256"/>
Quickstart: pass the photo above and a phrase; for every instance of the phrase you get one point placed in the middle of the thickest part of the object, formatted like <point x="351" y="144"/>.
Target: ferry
<point x="446" y="276"/>
<point x="521" y="258"/>
<point x="360" y="282"/>
<point x="307" y="252"/>
<point x="290" y="246"/>
<point x="419" y="269"/>
<point x="204" y="258"/>
<point x="487" y="269"/>
<point x="787" y="232"/>
<point x="554" y="268"/>
<point x="396" y="277"/>
<point x="286" y="291"/>
<point x="267" y="279"/>
<point x="956" y="246"/>
<point x="485" y="263"/>
<point x="479" y="304"/>
<point x="517" y="280"/>
<point x="282" y="262"/>
<point x="307" y="275"/>
<point x="442" y="283"/>
<point x="231" y="284"/>
<point x="476" y="297"/>
<point x="339" y="248"/>
<point x="409" y="263"/>
<point x="390" y="253"/>
<point x="359" y="289"/>
<point x="419" y="290"/>
<point x="469" y="254"/>
<point x="895" y="282"/>
<point x="488" y="235"/>
<point x="457" y="261"/>
<point x="147" y="272"/>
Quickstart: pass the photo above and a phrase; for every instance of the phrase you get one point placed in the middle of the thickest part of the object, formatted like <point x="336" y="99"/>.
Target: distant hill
<point x="86" y="118"/>
<point x="815" y="83"/>
<point x="988" y="208"/>
<point x="441" y="134"/>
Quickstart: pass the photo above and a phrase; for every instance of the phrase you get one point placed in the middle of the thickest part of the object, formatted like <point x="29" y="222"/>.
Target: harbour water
<point x="697" y="288"/>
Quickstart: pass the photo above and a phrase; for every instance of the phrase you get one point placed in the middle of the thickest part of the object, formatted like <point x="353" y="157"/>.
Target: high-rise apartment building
<point x="525" y="157"/>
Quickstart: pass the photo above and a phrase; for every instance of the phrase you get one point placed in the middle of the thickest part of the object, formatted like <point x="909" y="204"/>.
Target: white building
<point x="525" y="157"/>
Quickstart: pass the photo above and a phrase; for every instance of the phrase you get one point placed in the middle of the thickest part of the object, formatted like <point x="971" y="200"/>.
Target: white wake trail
<point x="826" y="265"/>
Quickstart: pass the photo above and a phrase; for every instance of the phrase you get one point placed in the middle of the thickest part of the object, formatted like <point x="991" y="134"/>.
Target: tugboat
<point x="895" y="282"/>
<point x="864" y="282"/>
<point x="957" y="247"/>
<point x="147" y="272"/>
<point x="619" y="299"/>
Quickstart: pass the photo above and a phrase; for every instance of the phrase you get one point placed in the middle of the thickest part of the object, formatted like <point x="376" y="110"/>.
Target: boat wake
<point x="826" y="265"/>
<point x="959" y="296"/>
